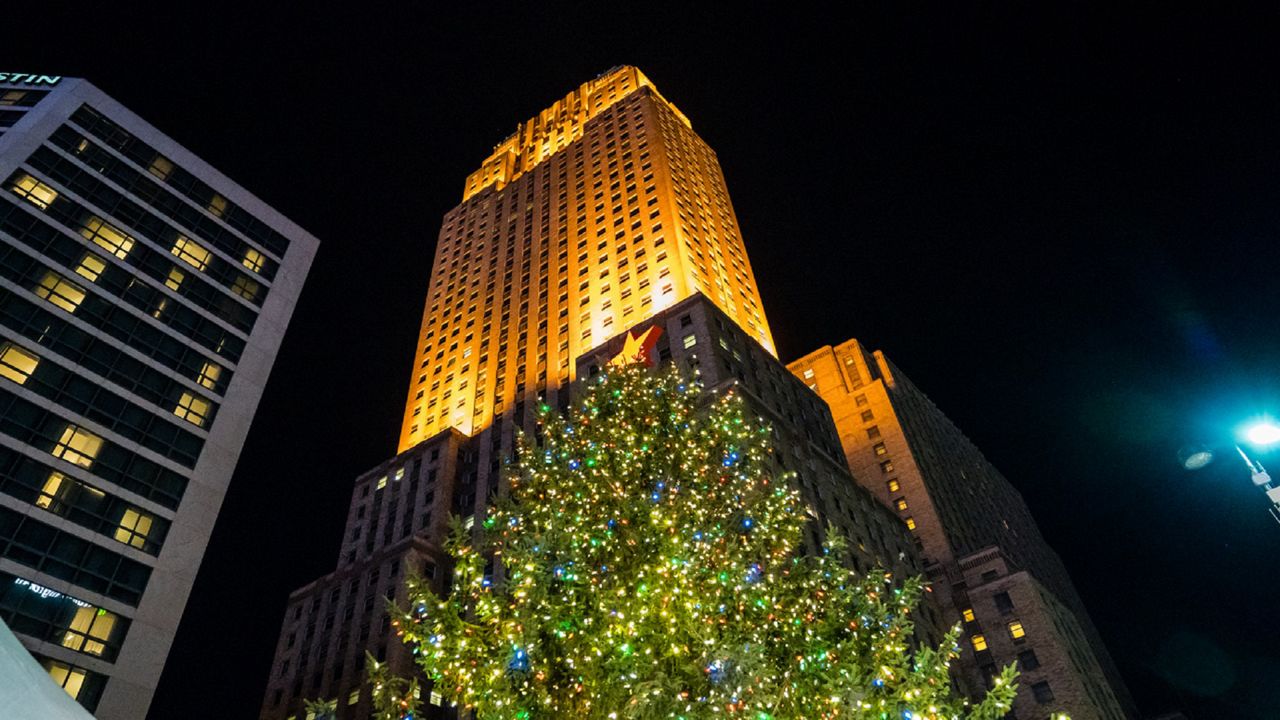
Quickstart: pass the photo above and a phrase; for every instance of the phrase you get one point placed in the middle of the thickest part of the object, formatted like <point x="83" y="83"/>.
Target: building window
<point x="894" y="485"/>
<point x="209" y="375"/>
<point x="67" y="677"/>
<point x="161" y="166"/>
<point x="886" y="467"/>
<point x="873" y="432"/>
<point x="16" y="364"/>
<point x="382" y="482"/>
<point x="860" y="400"/>
<point x="50" y="490"/>
<point x="911" y="523"/>
<point x="90" y="630"/>
<point x="78" y="446"/>
<point x="1027" y="660"/>
<point x="868" y="416"/>
<point x="1004" y="603"/>
<point x="1015" y="630"/>
<point x="36" y="192"/>
<point x="900" y="503"/>
<point x="218" y="205"/>
<point x="134" y="528"/>
<point x="254" y="260"/>
<point x="354" y="697"/>
<point x="194" y="410"/>
<point x="90" y="267"/>
<point x="107" y="236"/>
<point x="968" y="615"/>
<point x="244" y="287"/>
<point x="174" y="281"/>
<point x="190" y="252"/>
<point x="1042" y="692"/>
<point x="880" y="449"/>
<point x="808" y="374"/>
<point x="60" y="291"/>
<point x="690" y="341"/>
<point x="979" y="642"/>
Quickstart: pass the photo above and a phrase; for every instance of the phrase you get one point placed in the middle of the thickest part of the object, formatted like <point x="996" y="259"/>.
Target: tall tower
<point x="600" y="211"/>
<point x="143" y="297"/>
<point x="991" y="569"/>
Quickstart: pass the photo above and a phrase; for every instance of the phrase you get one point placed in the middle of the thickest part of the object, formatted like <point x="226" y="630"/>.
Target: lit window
<point x="52" y="487"/>
<point x="894" y="485"/>
<point x="190" y="252"/>
<point x="886" y="466"/>
<point x="979" y="643"/>
<point x="90" y="267"/>
<point x="107" y="236"/>
<point x="134" y="528"/>
<point x="1015" y="630"/>
<point x="436" y="698"/>
<point x="36" y="192"/>
<point x="16" y="364"/>
<point x="911" y="523"/>
<point x="880" y="449"/>
<point x="60" y="291"/>
<point x="161" y="167"/>
<point x="218" y="205"/>
<point x="808" y="374"/>
<point x="968" y="614"/>
<point x="90" y="630"/>
<point x="244" y="287"/>
<point x="78" y="446"/>
<point x="690" y="341"/>
<point x="354" y="697"/>
<point x="194" y="410"/>
<point x="67" y="677"/>
<point x="209" y="375"/>
<point x="174" y="281"/>
<point x="382" y="482"/>
<point x="12" y="97"/>
<point x="900" y="503"/>
<point x="254" y="260"/>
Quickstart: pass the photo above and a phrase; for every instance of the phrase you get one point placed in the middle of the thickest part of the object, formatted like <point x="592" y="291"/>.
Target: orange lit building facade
<point x="600" y="211"/>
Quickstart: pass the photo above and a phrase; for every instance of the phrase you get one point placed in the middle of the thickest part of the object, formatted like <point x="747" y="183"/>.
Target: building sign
<point x="26" y="79"/>
<point x="637" y="346"/>
<point x="45" y="592"/>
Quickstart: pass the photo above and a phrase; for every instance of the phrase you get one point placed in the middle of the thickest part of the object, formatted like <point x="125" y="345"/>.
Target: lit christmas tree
<point x="651" y="567"/>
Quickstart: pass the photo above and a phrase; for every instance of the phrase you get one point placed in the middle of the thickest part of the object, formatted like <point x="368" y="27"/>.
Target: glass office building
<point x="143" y="298"/>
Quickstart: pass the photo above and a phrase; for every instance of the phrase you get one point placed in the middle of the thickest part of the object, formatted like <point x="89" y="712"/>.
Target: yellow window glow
<point x="174" y="281"/>
<point x="12" y="97"/>
<point x="191" y="252"/>
<point x="67" y="677"/>
<point x="218" y="205"/>
<point x="911" y="523"/>
<point x="161" y="166"/>
<point x="1015" y="630"/>
<point x="894" y="486"/>
<point x="35" y="192"/>
<point x="50" y="490"/>
<point x="90" y="267"/>
<point x="89" y="630"/>
<point x="254" y="260"/>
<point x="244" y="287"/>
<point x="979" y="642"/>
<point x="968" y="615"/>
<point x="60" y="291"/>
<point x="78" y="446"/>
<point x="194" y="410"/>
<point x="107" y="236"/>
<point x="134" y="528"/>
<point x="901" y="503"/>
<point x="17" y="364"/>
<point x="209" y="375"/>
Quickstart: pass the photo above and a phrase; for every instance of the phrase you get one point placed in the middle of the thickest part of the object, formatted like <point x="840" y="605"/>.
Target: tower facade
<point x="600" y="211"/>
<point x="143" y="297"/>
<point x="992" y="570"/>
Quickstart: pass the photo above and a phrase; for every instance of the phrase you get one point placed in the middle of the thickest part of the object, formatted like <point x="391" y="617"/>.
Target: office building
<point x="143" y="298"/>
<point x="992" y="570"/>
<point x="603" y="214"/>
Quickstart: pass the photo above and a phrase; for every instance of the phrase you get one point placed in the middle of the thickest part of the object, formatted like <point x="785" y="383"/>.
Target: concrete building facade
<point x="143" y="298"/>
<point x="991" y="568"/>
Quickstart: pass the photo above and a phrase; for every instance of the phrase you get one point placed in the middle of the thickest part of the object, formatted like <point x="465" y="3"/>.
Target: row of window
<point x="38" y="427"/>
<point x="105" y="513"/>
<point x="85" y="686"/>
<point x="48" y="615"/>
<point x="182" y="181"/>
<point x="88" y="268"/>
<point x="91" y="400"/>
<point x="30" y="542"/>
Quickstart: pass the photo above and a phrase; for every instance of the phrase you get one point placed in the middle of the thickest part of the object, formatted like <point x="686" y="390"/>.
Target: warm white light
<point x="1264" y="433"/>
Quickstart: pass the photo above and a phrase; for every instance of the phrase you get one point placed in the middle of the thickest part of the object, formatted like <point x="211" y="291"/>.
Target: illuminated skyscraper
<point x="143" y="297"/>
<point x="600" y="211"/>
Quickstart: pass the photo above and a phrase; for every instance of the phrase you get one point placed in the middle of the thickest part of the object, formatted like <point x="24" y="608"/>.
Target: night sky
<point x="1061" y="224"/>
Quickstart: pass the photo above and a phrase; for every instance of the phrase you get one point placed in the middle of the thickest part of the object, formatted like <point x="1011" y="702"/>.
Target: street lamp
<point x="1262" y="433"/>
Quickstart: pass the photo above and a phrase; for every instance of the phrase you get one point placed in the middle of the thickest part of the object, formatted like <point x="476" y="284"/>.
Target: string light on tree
<point x="651" y="568"/>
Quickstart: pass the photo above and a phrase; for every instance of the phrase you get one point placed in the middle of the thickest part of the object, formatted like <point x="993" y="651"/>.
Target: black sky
<point x="1061" y="223"/>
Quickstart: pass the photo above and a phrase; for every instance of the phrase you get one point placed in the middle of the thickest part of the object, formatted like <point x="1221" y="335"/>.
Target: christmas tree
<point x="646" y="562"/>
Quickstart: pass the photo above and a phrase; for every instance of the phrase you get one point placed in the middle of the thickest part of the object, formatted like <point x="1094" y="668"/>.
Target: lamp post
<point x="1264" y="433"/>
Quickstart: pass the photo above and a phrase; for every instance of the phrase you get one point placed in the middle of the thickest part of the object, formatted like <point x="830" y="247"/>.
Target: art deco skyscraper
<point x="143" y="297"/>
<point x="600" y="211"/>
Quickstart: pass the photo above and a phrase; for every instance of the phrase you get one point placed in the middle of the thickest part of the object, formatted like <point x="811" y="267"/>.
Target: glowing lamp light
<point x="1263" y="433"/>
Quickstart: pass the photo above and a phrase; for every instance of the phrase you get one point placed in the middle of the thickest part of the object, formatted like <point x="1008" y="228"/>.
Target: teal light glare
<point x="1263" y="433"/>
